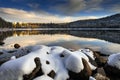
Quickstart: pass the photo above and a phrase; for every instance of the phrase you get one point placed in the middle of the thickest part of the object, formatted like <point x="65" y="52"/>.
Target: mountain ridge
<point x="109" y="21"/>
<point x="112" y="21"/>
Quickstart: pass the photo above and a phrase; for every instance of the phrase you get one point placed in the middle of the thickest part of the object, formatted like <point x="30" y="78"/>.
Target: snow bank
<point x="114" y="60"/>
<point x="55" y="58"/>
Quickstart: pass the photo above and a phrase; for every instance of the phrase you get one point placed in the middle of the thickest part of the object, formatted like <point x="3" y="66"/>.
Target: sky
<point x="56" y="11"/>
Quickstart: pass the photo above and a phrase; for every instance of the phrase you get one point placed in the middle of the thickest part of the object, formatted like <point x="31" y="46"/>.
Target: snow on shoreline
<point x="60" y="60"/>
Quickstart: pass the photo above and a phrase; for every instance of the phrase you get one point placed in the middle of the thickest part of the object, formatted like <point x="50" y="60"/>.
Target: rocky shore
<point x="58" y="63"/>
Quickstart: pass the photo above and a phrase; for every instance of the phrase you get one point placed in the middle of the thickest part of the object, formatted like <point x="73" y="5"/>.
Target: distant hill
<point x="115" y="17"/>
<point x="109" y="21"/>
<point x="5" y="24"/>
<point x="112" y="21"/>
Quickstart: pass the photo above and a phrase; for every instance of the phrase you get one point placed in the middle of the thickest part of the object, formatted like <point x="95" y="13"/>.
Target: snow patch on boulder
<point x="114" y="60"/>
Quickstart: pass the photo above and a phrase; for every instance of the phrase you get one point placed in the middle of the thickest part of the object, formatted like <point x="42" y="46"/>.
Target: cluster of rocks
<point x="104" y="71"/>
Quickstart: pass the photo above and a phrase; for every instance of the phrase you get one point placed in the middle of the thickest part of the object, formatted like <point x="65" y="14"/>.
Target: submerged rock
<point x="16" y="46"/>
<point x="1" y="53"/>
<point x="1" y="43"/>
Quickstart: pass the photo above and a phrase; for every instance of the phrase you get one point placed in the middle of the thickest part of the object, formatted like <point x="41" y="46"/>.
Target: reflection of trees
<point x="36" y="32"/>
<point x="4" y="35"/>
<point x="112" y="36"/>
<point x="27" y="32"/>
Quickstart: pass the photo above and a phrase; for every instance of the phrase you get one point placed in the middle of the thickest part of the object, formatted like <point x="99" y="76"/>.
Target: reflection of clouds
<point x="111" y="48"/>
<point x="65" y="41"/>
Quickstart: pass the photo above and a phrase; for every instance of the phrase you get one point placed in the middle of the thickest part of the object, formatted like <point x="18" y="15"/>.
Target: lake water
<point x="68" y="39"/>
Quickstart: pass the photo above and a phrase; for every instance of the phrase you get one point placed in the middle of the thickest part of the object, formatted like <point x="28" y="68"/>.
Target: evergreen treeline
<point x="106" y="22"/>
<point x="5" y="24"/>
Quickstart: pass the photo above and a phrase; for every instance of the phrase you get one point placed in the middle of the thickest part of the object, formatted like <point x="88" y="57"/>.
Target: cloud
<point x="17" y="15"/>
<point x="75" y="6"/>
<point x="71" y="7"/>
<point x="33" y="5"/>
<point x="115" y="8"/>
<point x="93" y="5"/>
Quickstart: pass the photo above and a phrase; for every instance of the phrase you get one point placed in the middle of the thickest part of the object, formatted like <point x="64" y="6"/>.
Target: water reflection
<point x="21" y="33"/>
<point x="4" y="35"/>
<point x="63" y="40"/>
<point x="112" y="36"/>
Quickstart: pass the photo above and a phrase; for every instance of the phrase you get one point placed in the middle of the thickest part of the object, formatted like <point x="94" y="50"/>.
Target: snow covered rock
<point x="114" y="60"/>
<point x="84" y="74"/>
<point x="78" y="64"/>
<point x="56" y="64"/>
<point x="17" y="53"/>
<point x="13" y="57"/>
<point x="36" y="72"/>
<point x="92" y="78"/>
<point x="44" y="77"/>
<point x="74" y="61"/>
<point x="112" y="68"/>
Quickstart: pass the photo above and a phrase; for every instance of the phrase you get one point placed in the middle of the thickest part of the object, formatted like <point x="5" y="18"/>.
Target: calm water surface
<point x="68" y="39"/>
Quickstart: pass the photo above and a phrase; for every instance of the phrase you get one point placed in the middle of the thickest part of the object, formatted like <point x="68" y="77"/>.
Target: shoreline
<point x="62" y="29"/>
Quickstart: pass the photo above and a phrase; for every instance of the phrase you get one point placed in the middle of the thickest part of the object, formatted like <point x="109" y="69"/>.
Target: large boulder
<point x="112" y="68"/>
<point x="90" y="54"/>
<point x="83" y="74"/>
